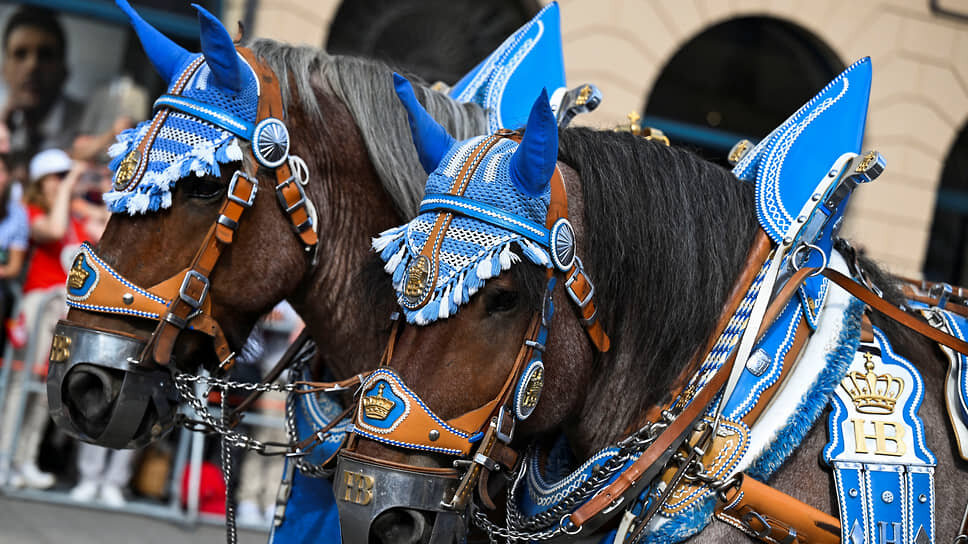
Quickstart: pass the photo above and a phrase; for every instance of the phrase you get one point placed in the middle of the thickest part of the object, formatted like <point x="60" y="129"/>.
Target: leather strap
<point x="289" y="192"/>
<point x="673" y="435"/>
<point x="772" y="516"/>
<point x="895" y="313"/>
<point x="577" y="284"/>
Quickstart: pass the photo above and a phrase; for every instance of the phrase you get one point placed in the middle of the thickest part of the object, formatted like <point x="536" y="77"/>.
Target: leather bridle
<point x="183" y="300"/>
<point x="482" y="435"/>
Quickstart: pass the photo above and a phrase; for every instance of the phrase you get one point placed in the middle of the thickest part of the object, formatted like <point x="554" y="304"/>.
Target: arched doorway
<point x="738" y="79"/>
<point x="439" y="40"/>
<point x="947" y="257"/>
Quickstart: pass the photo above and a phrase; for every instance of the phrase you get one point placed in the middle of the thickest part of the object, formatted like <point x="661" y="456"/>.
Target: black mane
<point x="667" y="235"/>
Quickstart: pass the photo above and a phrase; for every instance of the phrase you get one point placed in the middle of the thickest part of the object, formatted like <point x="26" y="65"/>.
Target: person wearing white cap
<point x="54" y="237"/>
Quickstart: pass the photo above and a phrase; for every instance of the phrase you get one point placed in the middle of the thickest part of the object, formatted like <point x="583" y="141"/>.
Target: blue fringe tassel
<point x="684" y="525"/>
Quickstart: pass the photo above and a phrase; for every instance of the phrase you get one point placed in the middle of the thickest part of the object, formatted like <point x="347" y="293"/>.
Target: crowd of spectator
<point x="52" y="175"/>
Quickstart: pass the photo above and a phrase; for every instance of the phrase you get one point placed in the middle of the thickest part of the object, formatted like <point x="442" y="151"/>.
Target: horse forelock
<point x="666" y="235"/>
<point x="365" y="88"/>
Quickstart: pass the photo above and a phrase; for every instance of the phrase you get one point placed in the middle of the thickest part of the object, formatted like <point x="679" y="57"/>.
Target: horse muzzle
<point x="99" y="392"/>
<point x="383" y="502"/>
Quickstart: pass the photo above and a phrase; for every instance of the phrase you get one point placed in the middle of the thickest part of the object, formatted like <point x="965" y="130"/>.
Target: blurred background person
<point x="14" y="239"/>
<point x="54" y="237"/>
<point x="37" y="114"/>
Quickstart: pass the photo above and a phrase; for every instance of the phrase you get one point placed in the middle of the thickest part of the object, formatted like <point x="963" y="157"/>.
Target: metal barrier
<point x="189" y="450"/>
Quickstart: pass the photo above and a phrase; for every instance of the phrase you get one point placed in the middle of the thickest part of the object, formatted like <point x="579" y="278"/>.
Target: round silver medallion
<point x="563" y="244"/>
<point x="270" y="142"/>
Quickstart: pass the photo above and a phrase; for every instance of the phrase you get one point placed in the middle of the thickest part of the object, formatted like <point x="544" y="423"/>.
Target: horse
<point x="668" y="239"/>
<point x="361" y="175"/>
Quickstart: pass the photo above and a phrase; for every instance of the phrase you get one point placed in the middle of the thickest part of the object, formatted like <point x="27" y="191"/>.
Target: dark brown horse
<point x="664" y="235"/>
<point x="363" y="177"/>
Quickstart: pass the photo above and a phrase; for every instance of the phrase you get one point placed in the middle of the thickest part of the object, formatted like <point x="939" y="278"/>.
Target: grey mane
<point x="366" y="88"/>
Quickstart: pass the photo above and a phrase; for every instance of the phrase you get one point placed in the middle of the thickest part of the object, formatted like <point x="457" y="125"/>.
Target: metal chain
<point x="185" y="383"/>
<point x="309" y="469"/>
<point x="548" y="524"/>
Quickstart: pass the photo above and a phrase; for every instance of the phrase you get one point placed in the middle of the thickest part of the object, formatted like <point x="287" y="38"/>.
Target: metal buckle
<point x="486" y="462"/>
<point x="762" y="533"/>
<point x="499" y="427"/>
<point x="228" y="222"/>
<point x="174" y="320"/>
<point x="576" y="270"/>
<point x="232" y="184"/>
<point x="188" y="299"/>
<point x="942" y="292"/>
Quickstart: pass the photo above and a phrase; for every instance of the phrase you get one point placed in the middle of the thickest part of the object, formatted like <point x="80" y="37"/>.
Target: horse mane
<point x="667" y="233"/>
<point x="365" y="87"/>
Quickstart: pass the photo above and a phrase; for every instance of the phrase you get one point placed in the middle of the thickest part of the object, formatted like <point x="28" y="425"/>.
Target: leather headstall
<point x="390" y="413"/>
<point x="183" y="301"/>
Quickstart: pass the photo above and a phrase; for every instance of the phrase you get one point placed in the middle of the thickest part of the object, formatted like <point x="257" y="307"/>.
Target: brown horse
<point x="664" y="235"/>
<point x="364" y="176"/>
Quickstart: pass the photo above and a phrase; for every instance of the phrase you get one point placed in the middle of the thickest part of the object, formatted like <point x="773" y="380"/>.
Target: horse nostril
<point x="92" y="391"/>
<point x="399" y="526"/>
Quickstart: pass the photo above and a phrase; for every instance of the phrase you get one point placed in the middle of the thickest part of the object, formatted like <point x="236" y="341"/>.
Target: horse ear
<point x="219" y="50"/>
<point x="167" y="56"/>
<point x="430" y="138"/>
<point x="535" y="158"/>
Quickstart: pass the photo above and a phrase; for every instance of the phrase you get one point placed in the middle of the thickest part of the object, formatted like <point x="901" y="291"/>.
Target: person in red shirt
<point x="54" y="238"/>
<point x="54" y="233"/>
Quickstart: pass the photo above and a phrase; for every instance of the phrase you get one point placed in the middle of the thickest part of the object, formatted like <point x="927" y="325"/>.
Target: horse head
<point x="215" y="220"/>
<point x="475" y="271"/>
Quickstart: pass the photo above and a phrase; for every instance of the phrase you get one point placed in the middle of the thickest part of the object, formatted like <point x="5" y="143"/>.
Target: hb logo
<point x="357" y="488"/>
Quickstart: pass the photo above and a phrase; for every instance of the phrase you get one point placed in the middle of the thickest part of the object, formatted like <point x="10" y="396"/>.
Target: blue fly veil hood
<point x="501" y="201"/>
<point x="211" y="102"/>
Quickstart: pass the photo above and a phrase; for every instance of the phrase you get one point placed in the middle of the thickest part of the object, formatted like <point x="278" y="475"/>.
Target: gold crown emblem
<point x="377" y="406"/>
<point x="873" y="393"/>
<point x="78" y="275"/>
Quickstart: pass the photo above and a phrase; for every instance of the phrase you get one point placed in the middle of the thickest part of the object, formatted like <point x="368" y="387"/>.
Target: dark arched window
<point x="948" y="251"/>
<point x="439" y="40"/>
<point x="738" y="79"/>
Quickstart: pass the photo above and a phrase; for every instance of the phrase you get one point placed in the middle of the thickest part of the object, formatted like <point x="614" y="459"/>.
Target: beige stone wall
<point x="301" y="22"/>
<point x="919" y="99"/>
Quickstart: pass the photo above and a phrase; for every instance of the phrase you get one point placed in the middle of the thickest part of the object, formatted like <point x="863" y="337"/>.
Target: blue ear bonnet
<point x="184" y="143"/>
<point x="472" y="250"/>
<point x="787" y="165"/>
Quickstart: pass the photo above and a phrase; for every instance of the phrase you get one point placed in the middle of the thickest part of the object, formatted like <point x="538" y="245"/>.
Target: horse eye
<point x="501" y="301"/>
<point x="203" y="188"/>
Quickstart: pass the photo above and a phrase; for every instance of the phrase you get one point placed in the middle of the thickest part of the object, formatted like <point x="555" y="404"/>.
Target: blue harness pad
<point x="309" y="513"/>
<point x="506" y="82"/>
<point x="883" y="470"/>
